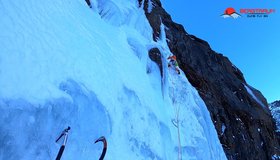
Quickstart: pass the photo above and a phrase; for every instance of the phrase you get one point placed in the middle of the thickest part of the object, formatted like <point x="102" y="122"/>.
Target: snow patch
<point x="150" y="6"/>
<point x="275" y="157"/>
<point x="223" y="128"/>
<point x="253" y="95"/>
<point x="275" y="110"/>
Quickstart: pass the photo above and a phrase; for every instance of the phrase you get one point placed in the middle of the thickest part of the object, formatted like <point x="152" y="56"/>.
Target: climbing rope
<point x="176" y="121"/>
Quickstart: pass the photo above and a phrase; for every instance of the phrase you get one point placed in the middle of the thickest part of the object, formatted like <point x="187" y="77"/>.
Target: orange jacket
<point x="172" y="57"/>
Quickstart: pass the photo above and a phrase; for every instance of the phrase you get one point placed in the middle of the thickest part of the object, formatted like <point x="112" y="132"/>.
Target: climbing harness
<point x="65" y="134"/>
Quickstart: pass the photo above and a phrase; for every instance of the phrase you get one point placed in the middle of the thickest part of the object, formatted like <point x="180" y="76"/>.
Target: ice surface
<point x="64" y="64"/>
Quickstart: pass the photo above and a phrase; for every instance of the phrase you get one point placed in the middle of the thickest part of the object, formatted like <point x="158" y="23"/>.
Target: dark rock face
<point x="155" y="56"/>
<point x="244" y="125"/>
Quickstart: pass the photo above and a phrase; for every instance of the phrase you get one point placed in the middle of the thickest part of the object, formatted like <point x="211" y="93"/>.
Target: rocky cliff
<point x="239" y="112"/>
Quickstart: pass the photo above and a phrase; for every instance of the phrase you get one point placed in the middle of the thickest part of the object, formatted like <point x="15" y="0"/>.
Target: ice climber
<point x="173" y="63"/>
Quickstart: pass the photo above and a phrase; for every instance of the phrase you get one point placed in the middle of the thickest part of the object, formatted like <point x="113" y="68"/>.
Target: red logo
<point x="230" y="13"/>
<point x="250" y="13"/>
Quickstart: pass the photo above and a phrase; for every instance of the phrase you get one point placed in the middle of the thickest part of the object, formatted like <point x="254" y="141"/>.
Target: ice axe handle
<point x="59" y="137"/>
<point x="60" y="152"/>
